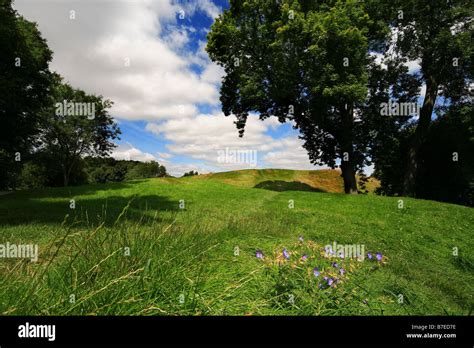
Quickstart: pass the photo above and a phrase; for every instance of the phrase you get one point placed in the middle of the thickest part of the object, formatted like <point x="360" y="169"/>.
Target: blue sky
<point x="148" y="57"/>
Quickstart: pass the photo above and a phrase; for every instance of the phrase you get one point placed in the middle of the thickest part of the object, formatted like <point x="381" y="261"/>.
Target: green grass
<point x="200" y="260"/>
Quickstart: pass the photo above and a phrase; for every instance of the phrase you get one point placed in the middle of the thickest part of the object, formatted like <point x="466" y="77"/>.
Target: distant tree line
<point x="41" y="172"/>
<point x="191" y="173"/>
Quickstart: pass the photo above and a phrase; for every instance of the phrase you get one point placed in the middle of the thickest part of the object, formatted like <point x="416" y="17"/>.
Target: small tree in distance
<point x="190" y="173"/>
<point x="67" y="136"/>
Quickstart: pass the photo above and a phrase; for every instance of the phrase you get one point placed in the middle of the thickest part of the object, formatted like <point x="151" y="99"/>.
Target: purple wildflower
<point x="329" y="251"/>
<point x="259" y="254"/>
<point x="342" y="271"/>
<point x="286" y="254"/>
<point x="316" y="272"/>
<point x="369" y="255"/>
<point x="304" y="257"/>
<point x="379" y="256"/>
<point x="330" y="281"/>
<point x="335" y="265"/>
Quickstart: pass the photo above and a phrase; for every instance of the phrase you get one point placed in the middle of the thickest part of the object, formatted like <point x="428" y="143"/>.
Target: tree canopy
<point x="303" y="62"/>
<point x="25" y="81"/>
<point x="327" y="66"/>
<point x="68" y="135"/>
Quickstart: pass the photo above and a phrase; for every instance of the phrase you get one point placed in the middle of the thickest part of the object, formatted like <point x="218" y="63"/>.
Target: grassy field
<point x="133" y="248"/>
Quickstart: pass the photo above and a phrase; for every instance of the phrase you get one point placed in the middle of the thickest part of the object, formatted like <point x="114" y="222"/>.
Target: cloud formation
<point x="207" y="137"/>
<point x="137" y="53"/>
<point x="128" y="51"/>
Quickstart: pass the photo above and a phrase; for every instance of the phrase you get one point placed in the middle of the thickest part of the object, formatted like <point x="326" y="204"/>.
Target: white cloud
<point x="413" y="66"/>
<point x="134" y="53"/>
<point x="164" y="155"/>
<point x="128" y="51"/>
<point x="212" y="73"/>
<point x="379" y="57"/>
<point x="206" y="6"/>
<point x="423" y="90"/>
<point x="177" y="38"/>
<point x="130" y="153"/>
<point x="178" y="169"/>
<point x="210" y="8"/>
<point x="291" y="156"/>
<point x="207" y="137"/>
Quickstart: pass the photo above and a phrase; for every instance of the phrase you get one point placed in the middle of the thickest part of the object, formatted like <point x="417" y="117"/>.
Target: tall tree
<point x="75" y="125"/>
<point x="24" y="84"/>
<point x="438" y="34"/>
<point x="447" y="155"/>
<point x="301" y="61"/>
<point x="388" y="141"/>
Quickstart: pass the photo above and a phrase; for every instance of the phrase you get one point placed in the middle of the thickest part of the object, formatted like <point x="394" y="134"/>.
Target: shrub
<point x="32" y="176"/>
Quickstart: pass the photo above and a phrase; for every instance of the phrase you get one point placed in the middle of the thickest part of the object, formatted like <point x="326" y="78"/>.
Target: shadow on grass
<point x="88" y="210"/>
<point x="280" y="186"/>
<point x="70" y="191"/>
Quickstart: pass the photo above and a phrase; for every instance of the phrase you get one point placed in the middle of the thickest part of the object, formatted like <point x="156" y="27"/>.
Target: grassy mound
<point x="189" y="247"/>
<point x="285" y="180"/>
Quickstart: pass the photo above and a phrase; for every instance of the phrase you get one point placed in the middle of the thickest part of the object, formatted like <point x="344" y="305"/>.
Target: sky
<point x="149" y="58"/>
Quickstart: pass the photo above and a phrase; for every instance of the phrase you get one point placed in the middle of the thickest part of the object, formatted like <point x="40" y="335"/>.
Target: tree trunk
<point x="348" y="175"/>
<point x="347" y="153"/>
<point x="65" y="178"/>
<point x="409" y="184"/>
<point x="65" y="174"/>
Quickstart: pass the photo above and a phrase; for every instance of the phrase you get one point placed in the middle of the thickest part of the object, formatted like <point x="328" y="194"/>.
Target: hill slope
<point x="188" y="246"/>
<point x="285" y="180"/>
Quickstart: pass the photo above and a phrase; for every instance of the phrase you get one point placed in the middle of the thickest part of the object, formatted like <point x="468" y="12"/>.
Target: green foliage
<point x="41" y="170"/>
<point x="69" y="136"/>
<point x="9" y="170"/>
<point x="102" y="170"/>
<point x="33" y="176"/>
<point x="191" y="173"/>
<point x="300" y="62"/>
<point x="146" y="170"/>
<point x="447" y="156"/>
<point x="286" y="58"/>
<point x="24" y="83"/>
<point x="438" y="34"/>
<point x="441" y="177"/>
<point x="30" y="125"/>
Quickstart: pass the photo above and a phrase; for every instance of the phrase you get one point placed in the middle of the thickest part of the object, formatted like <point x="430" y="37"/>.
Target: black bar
<point x="242" y="330"/>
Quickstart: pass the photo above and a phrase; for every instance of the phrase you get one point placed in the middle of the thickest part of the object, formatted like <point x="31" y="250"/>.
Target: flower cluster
<point x="378" y="256"/>
<point x="312" y="261"/>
